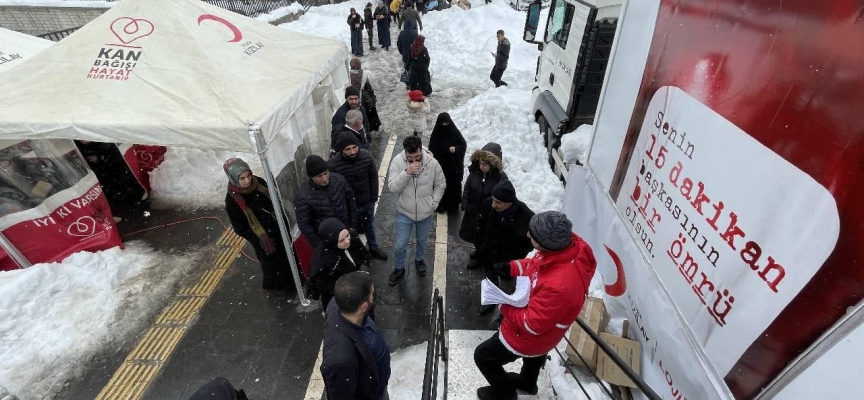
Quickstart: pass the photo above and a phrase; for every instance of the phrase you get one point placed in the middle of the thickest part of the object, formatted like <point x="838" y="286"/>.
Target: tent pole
<point x="258" y="137"/>
<point x="13" y="252"/>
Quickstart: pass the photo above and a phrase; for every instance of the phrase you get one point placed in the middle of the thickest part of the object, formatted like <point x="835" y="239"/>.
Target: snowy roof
<point x="166" y="72"/>
<point x="16" y="47"/>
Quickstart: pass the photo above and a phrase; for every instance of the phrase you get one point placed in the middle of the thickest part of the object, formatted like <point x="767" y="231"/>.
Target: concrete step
<point x="463" y="377"/>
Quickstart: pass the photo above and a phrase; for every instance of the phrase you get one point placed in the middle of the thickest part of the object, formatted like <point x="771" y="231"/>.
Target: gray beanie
<point x="551" y="230"/>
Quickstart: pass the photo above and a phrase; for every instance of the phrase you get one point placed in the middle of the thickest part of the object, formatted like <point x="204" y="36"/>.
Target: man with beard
<point x="355" y="357"/>
<point x="358" y="167"/>
<point x="352" y="102"/>
<point x="325" y="195"/>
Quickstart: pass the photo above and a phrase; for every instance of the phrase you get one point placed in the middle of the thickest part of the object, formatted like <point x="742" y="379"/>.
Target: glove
<point x="502" y="269"/>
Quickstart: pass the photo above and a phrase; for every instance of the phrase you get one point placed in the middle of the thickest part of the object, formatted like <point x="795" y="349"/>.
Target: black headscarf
<point x="444" y="136"/>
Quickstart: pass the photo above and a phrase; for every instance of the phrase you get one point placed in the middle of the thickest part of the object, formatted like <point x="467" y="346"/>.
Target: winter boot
<point x="421" y="267"/>
<point x="396" y="276"/>
<point x="516" y="380"/>
<point x="489" y="393"/>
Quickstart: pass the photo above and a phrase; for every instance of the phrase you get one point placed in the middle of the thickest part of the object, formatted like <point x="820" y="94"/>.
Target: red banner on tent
<point x="72" y="220"/>
<point x="142" y="160"/>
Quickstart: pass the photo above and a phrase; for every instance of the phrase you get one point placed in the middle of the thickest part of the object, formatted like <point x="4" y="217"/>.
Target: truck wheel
<point x="546" y="134"/>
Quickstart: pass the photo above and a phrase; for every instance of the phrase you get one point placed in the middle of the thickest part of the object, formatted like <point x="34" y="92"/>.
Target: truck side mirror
<point x="531" y="22"/>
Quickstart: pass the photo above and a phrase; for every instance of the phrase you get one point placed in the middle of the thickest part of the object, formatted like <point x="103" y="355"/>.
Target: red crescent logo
<point x="237" y="34"/>
<point x="620" y="286"/>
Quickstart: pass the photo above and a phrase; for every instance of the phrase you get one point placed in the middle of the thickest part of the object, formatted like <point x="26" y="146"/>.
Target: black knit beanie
<point x="315" y="165"/>
<point x="351" y="91"/>
<point x="504" y="191"/>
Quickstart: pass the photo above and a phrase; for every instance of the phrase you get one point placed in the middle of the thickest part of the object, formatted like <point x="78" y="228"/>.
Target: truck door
<point x="564" y="37"/>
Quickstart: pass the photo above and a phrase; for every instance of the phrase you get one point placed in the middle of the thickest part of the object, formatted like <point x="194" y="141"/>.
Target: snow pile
<point x="56" y="317"/>
<point x="502" y="116"/>
<point x="459" y="41"/>
<point x="575" y="145"/>
<point x="193" y="178"/>
<point x="407" y="367"/>
<point x="280" y="12"/>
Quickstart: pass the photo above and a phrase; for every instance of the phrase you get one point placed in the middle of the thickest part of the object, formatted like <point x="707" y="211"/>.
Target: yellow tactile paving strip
<point x="143" y="363"/>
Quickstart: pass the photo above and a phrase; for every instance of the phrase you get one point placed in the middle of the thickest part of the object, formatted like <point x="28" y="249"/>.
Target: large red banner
<point x="72" y="220"/>
<point x="142" y="160"/>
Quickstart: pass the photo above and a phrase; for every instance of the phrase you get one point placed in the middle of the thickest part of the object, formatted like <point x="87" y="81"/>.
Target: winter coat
<point x="410" y="15"/>
<point x="403" y="43"/>
<point x="503" y="238"/>
<point x="337" y="123"/>
<point x="453" y="164"/>
<point x="418" y="196"/>
<point x="418" y="73"/>
<point x="329" y="262"/>
<point x="479" y="186"/>
<point x="360" y="80"/>
<point x="314" y="204"/>
<point x="502" y="54"/>
<point x="348" y="367"/>
<point x="355" y="22"/>
<point x="395" y="5"/>
<point x="417" y="114"/>
<point x="367" y="18"/>
<point x="559" y="284"/>
<point x="364" y="140"/>
<point x="361" y="173"/>
<point x="382" y="14"/>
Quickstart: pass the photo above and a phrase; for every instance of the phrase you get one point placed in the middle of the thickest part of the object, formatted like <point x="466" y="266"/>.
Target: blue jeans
<point x="403" y="232"/>
<point x="367" y="223"/>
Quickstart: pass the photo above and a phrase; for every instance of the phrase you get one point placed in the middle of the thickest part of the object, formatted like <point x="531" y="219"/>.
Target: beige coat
<point x="418" y="197"/>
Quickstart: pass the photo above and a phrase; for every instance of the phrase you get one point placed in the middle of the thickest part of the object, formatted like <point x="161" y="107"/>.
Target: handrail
<point x="435" y="351"/>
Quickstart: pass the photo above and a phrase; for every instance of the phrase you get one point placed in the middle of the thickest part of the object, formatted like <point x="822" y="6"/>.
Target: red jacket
<point x="559" y="284"/>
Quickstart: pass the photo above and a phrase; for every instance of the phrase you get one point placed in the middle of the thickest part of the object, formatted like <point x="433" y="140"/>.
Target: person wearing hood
<point x="355" y="23"/>
<point x="560" y="274"/>
<point x="418" y="67"/>
<point x="448" y="147"/>
<point x="352" y="102"/>
<point x="251" y="213"/>
<point x="501" y="234"/>
<point x="382" y="16"/>
<point x="325" y="195"/>
<point x="416" y="177"/>
<point x="359" y="168"/>
<point x="485" y="171"/>
<point x="339" y="253"/>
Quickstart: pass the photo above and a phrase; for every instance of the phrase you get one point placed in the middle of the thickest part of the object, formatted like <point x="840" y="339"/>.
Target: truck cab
<point x="575" y="50"/>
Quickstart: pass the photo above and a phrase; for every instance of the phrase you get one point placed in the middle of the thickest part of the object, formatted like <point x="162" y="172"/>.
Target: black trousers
<point x="490" y="358"/>
<point x="496" y="75"/>
<point x="369" y="29"/>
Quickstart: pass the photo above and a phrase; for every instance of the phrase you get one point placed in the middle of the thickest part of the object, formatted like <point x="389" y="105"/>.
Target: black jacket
<point x="502" y="54"/>
<point x="501" y="239"/>
<point x="361" y="173"/>
<point x="348" y="367"/>
<point x="367" y="18"/>
<point x="329" y="262"/>
<point x="403" y="43"/>
<point x="477" y="188"/>
<point x="355" y="20"/>
<point x="262" y="207"/>
<point x="314" y="204"/>
<point x="418" y="73"/>
<point x="337" y="123"/>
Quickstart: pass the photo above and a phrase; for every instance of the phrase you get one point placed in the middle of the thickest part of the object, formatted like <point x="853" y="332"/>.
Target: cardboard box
<point x="595" y="316"/>
<point x="628" y="350"/>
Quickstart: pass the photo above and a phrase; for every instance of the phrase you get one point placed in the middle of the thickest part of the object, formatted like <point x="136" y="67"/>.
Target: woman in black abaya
<point x="448" y="147"/>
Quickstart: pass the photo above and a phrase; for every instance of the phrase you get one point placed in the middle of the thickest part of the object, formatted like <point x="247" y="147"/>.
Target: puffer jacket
<point x="314" y="204"/>
<point x="559" y="284"/>
<point x="418" y="196"/>
<point x="479" y="186"/>
<point x="361" y="174"/>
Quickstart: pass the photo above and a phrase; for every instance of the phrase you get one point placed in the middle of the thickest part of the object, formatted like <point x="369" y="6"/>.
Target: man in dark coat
<point x="324" y="195"/>
<point x="358" y="167"/>
<point x="356" y="359"/>
<point x="382" y="15"/>
<point x="352" y="102"/>
<point x="368" y="21"/>
<point x="355" y="23"/>
<point x="354" y="125"/>
<point x="501" y="55"/>
<point x="403" y="44"/>
<point x="501" y="232"/>
<point x="411" y="18"/>
<point x="251" y="214"/>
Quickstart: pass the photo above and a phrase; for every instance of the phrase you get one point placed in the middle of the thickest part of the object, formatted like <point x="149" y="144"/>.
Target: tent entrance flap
<point x="276" y="198"/>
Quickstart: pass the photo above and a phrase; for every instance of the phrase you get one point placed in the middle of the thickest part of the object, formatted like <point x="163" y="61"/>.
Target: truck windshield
<point x="559" y="22"/>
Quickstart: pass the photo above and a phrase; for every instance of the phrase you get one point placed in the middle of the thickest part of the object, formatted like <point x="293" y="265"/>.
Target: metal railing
<point x="436" y="351"/>
<point x="602" y="346"/>
<point x="57" y="36"/>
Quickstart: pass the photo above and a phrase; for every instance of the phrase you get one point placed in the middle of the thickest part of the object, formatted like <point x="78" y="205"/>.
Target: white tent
<point x="187" y="74"/>
<point x="15" y="47"/>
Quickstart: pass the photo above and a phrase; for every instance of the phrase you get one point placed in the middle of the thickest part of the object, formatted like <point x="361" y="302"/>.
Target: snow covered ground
<point x="56" y="317"/>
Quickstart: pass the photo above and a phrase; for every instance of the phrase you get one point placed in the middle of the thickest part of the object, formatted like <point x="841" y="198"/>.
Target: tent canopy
<point x="166" y="72"/>
<point x="15" y="47"/>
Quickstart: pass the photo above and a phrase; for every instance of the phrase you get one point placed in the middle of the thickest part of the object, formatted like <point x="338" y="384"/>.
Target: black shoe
<point x="516" y="380"/>
<point x="503" y="83"/>
<point x="489" y="393"/>
<point x="396" y="277"/>
<point x="485" y="309"/>
<point x="378" y="254"/>
<point x="473" y="264"/>
<point x="473" y="254"/>
<point x="421" y="267"/>
<point x="372" y="48"/>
